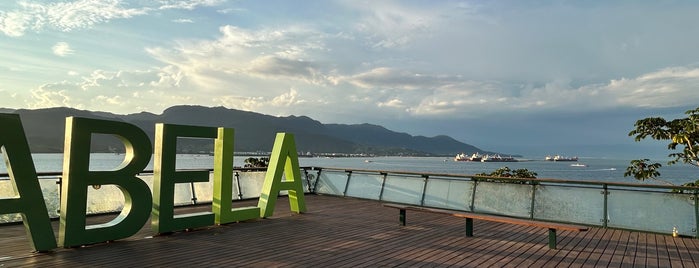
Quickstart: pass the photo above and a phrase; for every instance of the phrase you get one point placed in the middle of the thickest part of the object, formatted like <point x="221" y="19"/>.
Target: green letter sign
<point x="165" y="177"/>
<point x="282" y="174"/>
<point x="77" y="177"/>
<point x="223" y="182"/>
<point x="284" y="160"/>
<point x="29" y="201"/>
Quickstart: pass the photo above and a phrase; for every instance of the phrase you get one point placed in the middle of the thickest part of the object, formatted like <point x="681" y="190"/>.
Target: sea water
<point x="596" y="169"/>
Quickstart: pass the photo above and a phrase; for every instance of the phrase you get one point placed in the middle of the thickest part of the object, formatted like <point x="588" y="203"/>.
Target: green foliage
<point x="689" y="184"/>
<point x="506" y="172"/>
<point x="641" y="170"/>
<point x="254" y="162"/>
<point x="682" y="133"/>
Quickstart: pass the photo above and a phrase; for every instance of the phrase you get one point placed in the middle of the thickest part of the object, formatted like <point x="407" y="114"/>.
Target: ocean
<point x="598" y="169"/>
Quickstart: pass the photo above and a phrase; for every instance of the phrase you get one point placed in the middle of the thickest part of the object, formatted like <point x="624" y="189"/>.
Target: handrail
<point x="639" y="207"/>
<point x="540" y="180"/>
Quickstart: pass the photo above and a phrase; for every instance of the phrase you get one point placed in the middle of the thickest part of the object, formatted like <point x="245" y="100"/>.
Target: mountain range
<point x="254" y="132"/>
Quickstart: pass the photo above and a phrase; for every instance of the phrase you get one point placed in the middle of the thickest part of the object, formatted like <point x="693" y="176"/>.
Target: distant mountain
<point x="253" y="132"/>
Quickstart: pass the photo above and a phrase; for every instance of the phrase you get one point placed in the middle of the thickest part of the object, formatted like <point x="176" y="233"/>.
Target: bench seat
<point x="469" y="216"/>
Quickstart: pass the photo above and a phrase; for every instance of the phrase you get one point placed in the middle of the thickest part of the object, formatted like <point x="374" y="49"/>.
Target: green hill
<point x="253" y="132"/>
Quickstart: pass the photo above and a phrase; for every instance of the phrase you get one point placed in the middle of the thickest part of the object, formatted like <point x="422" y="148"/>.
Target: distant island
<point x="254" y="132"/>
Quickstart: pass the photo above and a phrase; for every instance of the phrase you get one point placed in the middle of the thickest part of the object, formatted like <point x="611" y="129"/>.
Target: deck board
<point x="347" y="232"/>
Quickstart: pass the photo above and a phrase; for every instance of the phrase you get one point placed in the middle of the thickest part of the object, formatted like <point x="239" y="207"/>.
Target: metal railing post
<point x="194" y="193"/>
<point x="315" y="185"/>
<point x="237" y="184"/>
<point x="696" y="215"/>
<point x="349" y="176"/>
<point x="59" y="182"/>
<point x="473" y="195"/>
<point x="605" y="192"/>
<point x="424" y="189"/>
<point x="383" y="184"/>
<point x="531" y="209"/>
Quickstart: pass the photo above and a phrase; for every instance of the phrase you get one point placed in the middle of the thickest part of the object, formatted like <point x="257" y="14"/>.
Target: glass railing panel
<point x="204" y="191"/>
<point x="503" y="198"/>
<point x="406" y="190"/>
<point x="332" y="183"/>
<point x="183" y="194"/>
<point x="250" y="184"/>
<point x="106" y="198"/>
<point x="309" y="180"/>
<point x="449" y="194"/>
<point x="49" y="189"/>
<point x="365" y="185"/>
<point x="569" y="204"/>
<point x="652" y="211"/>
<point x="8" y="191"/>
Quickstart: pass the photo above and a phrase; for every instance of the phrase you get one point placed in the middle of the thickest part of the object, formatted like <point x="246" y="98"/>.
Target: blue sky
<point x="526" y="77"/>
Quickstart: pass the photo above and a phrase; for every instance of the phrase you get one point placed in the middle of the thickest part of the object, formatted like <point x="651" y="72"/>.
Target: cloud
<point x="188" y="4"/>
<point x="62" y="49"/>
<point x="388" y="24"/>
<point x="63" y="16"/>
<point x="276" y="67"/>
<point x="50" y="96"/>
<point x="81" y="14"/>
<point x="241" y="55"/>
<point x="669" y="87"/>
<point x="375" y="67"/>
<point x="183" y="21"/>
<point x="121" y="91"/>
<point x="385" y="77"/>
<point x="14" y="24"/>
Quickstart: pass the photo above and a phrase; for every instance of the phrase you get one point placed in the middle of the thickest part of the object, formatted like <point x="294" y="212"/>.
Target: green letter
<point x="165" y="177"/>
<point x="29" y="202"/>
<point x="284" y="159"/>
<point x="77" y="177"/>
<point x="223" y="182"/>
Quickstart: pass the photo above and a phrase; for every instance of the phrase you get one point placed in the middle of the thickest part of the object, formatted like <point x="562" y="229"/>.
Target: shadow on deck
<point x="356" y="233"/>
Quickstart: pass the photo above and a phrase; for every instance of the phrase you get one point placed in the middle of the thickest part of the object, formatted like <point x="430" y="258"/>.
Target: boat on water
<point x="578" y="165"/>
<point x="498" y="158"/>
<point x="557" y="158"/>
<point x="475" y="157"/>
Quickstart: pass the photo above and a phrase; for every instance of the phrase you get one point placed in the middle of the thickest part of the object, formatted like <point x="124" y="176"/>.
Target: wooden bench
<point x="552" y="226"/>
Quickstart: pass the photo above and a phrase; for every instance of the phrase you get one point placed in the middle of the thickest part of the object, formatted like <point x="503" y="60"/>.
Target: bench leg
<point x="469" y="227"/>
<point x="402" y="217"/>
<point x="552" y="238"/>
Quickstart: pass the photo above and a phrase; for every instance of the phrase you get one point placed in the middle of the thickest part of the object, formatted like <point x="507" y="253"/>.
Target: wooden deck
<point x="344" y="232"/>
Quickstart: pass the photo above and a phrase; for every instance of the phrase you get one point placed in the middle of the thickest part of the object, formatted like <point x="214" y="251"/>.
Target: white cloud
<point x="230" y="10"/>
<point x="241" y="55"/>
<point x="302" y="69"/>
<point x="384" y="77"/>
<point x="670" y="87"/>
<point x="63" y="16"/>
<point x="68" y="16"/>
<point x="62" y="49"/>
<point x="188" y="4"/>
<point x="387" y="24"/>
<point x="183" y="21"/>
<point x="14" y="23"/>
<point x="49" y="97"/>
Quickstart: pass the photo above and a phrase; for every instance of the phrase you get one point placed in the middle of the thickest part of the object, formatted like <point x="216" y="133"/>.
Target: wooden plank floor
<point x="344" y="232"/>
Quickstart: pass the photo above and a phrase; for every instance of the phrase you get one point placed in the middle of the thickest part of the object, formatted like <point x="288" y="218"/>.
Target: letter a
<point x="30" y="202"/>
<point x="284" y="159"/>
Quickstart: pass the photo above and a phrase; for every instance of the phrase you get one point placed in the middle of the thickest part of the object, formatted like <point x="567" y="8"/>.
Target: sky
<point x="521" y="77"/>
